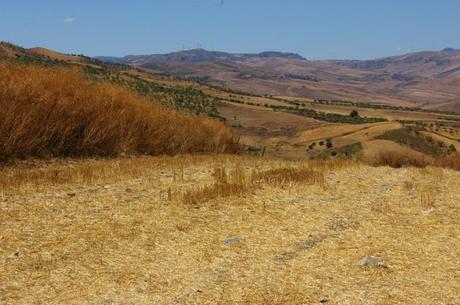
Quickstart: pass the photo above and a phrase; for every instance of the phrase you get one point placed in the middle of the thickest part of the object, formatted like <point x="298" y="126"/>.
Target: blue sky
<point x="321" y="29"/>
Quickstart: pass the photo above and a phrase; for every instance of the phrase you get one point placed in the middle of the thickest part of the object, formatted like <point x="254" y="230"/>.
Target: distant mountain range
<point x="429" y="79"/>
<point x="197" y="56"/>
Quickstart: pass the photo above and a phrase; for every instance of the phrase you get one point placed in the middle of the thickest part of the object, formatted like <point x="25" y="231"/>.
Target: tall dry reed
<point x="59" y="112"/>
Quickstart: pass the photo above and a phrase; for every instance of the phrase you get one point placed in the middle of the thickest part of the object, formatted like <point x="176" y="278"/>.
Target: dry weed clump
<point x="238" y="183"/>
<point x="397" y="160"/>
<point x="283" y="176"/>
<point x="59" y="112"/>
<point x="225" y="184"/>
<point x="452" y="161"/>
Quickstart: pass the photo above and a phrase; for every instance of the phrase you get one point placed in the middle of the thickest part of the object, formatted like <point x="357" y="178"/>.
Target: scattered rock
<point x="107" y="186"/>
<point x="233" y="240"/>
<point x="428" y="211"/>
<point x="71" y="194"/>
<point x="323" y="300"/>
<point x="372" y="261"/>
<point x="14" y="254"/>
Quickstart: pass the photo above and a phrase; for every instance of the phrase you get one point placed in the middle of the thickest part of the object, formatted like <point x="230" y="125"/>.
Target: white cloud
<point x="70" y="19"/>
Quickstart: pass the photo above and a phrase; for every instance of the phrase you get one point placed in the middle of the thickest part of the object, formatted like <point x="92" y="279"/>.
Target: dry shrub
<point x="427" y="199"/>
<point x="408" y="186"/>
<point x="397" y="160"/>
<point x="452" y="161"/>
<point x="233" y="183"/>
<point x="238" y="183"/>
<point x="59" y="112"/>
<point x="333" y="164"/>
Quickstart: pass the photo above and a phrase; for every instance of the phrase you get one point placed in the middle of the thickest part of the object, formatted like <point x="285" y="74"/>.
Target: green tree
<point x="354" y="114"/>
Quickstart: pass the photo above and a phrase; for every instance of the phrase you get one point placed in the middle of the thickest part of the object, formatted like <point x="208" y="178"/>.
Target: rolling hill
<point x="60" y="105"/>
<point x="427" y="79"/>
<point x="278" y="126"/>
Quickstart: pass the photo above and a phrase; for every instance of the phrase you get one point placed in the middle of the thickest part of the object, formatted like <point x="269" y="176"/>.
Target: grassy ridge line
<point x="59" y="112"/>
<point x="178" y="96"/>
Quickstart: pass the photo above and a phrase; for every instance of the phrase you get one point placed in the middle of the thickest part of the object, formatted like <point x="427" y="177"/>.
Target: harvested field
<point x="122" y="232"/>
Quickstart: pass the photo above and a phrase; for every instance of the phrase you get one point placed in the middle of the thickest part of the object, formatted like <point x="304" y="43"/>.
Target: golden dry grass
<point x="58" y="112"/>
<point x="124" y="235"/>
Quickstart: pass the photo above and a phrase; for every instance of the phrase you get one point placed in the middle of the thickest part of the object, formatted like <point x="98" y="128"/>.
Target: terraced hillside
<point x="301" y="128"/>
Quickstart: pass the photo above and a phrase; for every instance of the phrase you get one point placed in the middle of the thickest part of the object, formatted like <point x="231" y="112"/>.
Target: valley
<point x="119" y="185"/>
<point x="272" y="125"/>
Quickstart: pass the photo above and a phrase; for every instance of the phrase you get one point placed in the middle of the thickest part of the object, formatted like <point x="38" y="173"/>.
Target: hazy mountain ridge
<point x="428" y="79"/>
<point x="199" y="55"/>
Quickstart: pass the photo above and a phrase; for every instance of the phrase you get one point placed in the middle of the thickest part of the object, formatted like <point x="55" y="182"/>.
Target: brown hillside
<point x="55" y="55"/>
<point x="425" y="79"/>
